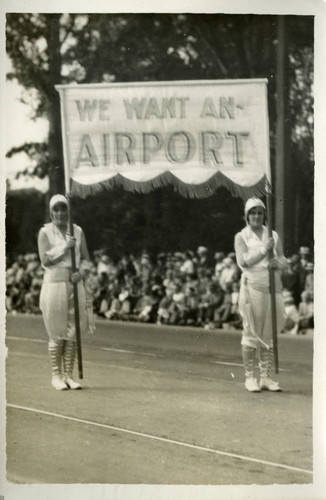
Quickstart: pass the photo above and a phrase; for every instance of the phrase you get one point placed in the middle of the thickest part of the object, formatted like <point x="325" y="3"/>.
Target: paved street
<point x="159" y="405"/>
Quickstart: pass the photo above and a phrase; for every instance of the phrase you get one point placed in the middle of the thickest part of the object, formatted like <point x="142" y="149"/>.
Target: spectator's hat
<point x="219" y="255"/>
<point x="287" y="296"/>
<point x="228" y="261"/>
<point x="304" y="251"/>
<point x="253" y="203"/>
<point x="36" y="283"/>
<point x="307" y="295"/>
<point x="309" y="266"/>
<point x="161" y="256"/>
<point x="288" y="300"/>
<point x="58" y="198"/>
<point x="179" y="255"/>
<point x="202" y="250"/>
<point x="123" y="295"/>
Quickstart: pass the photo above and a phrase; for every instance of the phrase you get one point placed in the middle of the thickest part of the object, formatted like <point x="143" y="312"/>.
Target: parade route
<point x="159" y="405"/>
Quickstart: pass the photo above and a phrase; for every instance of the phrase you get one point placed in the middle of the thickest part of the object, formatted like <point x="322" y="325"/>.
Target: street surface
<point x="159" y="405"/>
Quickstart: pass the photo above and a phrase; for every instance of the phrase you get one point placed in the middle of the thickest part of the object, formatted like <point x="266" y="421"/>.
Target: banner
<point x="195" y="135"/>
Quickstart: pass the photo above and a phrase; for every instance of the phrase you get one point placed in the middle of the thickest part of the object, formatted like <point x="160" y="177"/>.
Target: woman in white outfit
<point x="252" y="246"/>
<point x="56" y="298"/>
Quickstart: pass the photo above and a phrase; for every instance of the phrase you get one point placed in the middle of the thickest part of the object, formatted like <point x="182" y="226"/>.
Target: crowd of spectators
<point x="180" y="288"/>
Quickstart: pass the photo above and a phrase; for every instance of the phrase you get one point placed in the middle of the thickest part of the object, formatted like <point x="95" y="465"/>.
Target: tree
<point x="48" y="49"/>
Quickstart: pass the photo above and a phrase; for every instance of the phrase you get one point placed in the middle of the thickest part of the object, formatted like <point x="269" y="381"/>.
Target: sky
<point x="20" y="129"/>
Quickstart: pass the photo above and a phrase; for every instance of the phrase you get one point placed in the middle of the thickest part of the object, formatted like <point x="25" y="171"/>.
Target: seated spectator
<point x="163" y="312"/>
<point x="218" y="257"/>
<point x="191" y="306"/>
<point x="292" y="314"/>
<point x="169" y="281"/>
<point x="178" y="261"/>
<point x="209" y="303"/>
<point x="113" y="312"/>
<point x="104" y="266"/>
<point x="223" y="312"/>
<point x="147" y="306"/>
<point x="306" y="312"/>
<point x="202" y="258"/>
<point x="304" y="253"/>
<point x="177" y="307"/>
<point x="291" y="278"/>
<point x="145" y="268"/>
<point x="190" y="281"/>
<point x="203" y="280"/>
<point x="188" y="267"/>
<point x="12" y="294"/>
<point x="309" y="283"/>
<point x="235" y="319"/>
<point x="125" y="304"/>
<point x="160" y="268"/>
<point x="32" y="298"/>
<point x="229" y="273"/>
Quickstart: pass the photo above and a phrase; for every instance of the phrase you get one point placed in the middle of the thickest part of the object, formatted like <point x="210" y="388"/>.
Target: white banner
<point x="192" y="133"/>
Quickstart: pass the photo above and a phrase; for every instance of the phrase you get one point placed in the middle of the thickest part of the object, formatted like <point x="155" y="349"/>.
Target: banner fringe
<point x="193" y="191"/>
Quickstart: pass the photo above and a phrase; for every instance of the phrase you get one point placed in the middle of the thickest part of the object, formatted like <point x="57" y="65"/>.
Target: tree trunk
<point x="56" y="168"/>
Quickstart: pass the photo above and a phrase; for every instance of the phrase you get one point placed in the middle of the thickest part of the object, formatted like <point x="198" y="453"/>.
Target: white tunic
<point x="56" y="298"/>
<point x="254" y="296"/>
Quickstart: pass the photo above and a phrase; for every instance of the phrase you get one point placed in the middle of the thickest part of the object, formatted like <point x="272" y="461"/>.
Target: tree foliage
<point x="48" y="49"/>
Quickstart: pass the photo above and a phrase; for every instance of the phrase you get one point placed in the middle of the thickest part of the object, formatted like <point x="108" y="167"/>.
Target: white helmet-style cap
<point x="57" y="198"/>
<point x="252" y="203"/>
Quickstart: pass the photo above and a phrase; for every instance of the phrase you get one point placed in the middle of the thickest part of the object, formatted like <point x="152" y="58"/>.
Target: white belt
<point x="57" y="274"/>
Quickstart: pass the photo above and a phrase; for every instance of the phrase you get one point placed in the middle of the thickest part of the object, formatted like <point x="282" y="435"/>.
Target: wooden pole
<point x="76" y="304"/>
<point x="272" y="282"/>
<point x="67" y="179"/>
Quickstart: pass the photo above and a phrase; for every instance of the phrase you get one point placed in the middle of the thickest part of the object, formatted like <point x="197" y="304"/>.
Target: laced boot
<point x="69" y="355"/>
<point x="248" y="356"/>
<point x="55" y="349"/>
<point x="265" y="365"/>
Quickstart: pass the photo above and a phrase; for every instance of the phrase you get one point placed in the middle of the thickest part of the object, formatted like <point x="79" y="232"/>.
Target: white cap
<point x="252" y="203"/>
<point x="202" y="250"/>
<point x="57" y="198"/>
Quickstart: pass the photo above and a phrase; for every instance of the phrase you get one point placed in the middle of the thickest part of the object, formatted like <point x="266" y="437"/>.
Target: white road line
<point x="12" y="337"/>
<point x="41" y="341"/>
<point x="164" y="440"/>
<point x="128" y="352"/>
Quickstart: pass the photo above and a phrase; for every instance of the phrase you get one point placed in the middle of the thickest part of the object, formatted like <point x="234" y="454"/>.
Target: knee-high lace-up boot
<point x="69" y="355"/>
<point x="265" y="366"/>
<point x="55" y="349"/>
<point x="248" y="356"/>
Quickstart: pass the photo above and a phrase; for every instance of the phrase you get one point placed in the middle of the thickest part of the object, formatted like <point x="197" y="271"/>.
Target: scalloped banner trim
<point x="204" y="190"/>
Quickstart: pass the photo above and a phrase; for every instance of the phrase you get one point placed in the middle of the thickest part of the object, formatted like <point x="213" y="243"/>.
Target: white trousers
<point x="57" y="306"/>
<point x="255" y="310"/>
